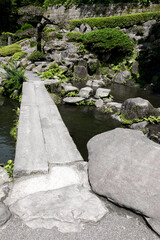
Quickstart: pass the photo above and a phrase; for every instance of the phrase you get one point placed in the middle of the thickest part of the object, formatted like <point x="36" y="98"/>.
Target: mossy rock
<point x="18" y="56"/>
<point x="10" y="50"/>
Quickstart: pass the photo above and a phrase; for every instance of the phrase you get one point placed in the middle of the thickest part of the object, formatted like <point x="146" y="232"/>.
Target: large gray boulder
<point x="124" y="166"/>
<point x="137" y="108"/>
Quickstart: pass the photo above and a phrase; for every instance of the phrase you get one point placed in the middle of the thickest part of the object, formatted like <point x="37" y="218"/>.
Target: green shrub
<point x="59" y="35"/>
<point x="123" y="21"/>
<point x="26" y="26"/>
<point x="54" y="71"/>
<point x="13" y="80"/>
<point x="73" y="36"/>
<point x="107" y="40"/>
<point x="48" y="29"/>
<point x="33" y="43"/>
<point x="36" y="56"/>
<point x="19" y="31"/>
<point x="9" y="50"/>
<point x="18" y="56"/>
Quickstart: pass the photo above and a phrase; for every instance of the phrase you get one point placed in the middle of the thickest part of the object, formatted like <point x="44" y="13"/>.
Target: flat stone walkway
<point x="51" y="182"/>
<point x="51" y="197"/>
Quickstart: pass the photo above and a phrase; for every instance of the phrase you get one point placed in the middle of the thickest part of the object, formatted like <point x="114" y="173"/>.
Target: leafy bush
<point x="123" y="21"/>
<point x="10" y="50"/>
<point x="73" y="36"/>
<point x="54" y="71"/>
<point x="48" y="29"/>
<point x="26" y="26"/>
<point x="59" y="35"/>
<point x="33" y="43"/>
<point x="18" y="56"/>
<point x="36" y="56"/>
<point x="107" y="40"/>
<point x="13" y="80"/>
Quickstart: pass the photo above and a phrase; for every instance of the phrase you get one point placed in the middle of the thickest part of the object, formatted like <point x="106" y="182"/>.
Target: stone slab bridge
<point x="50" y="177"/>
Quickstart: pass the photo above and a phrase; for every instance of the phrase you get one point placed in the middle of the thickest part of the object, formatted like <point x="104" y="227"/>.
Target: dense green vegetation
<point x="36" y="56"/>
<point x="105" y="41"/>
<point x="9" y="50"/>
<point x="123" y="21"/>
<point x="13" y="80"/>
<point x="54" y="71"/>
<point x="81" y="2"/>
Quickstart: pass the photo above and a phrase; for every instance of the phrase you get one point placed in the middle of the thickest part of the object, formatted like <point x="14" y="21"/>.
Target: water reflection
<point x="85" y="122"/>
<point x="7" y="116"/>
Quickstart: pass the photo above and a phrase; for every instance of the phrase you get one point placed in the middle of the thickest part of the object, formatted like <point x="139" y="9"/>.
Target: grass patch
<point x="10" y="50"/>
<point x="18" y="56"/>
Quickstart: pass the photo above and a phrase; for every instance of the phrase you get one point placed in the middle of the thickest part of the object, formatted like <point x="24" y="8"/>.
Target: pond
<point x="7" y="116"/>
<point x="85" y="122"/>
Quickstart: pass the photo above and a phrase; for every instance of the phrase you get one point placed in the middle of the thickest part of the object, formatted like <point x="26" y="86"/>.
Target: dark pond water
<point x="85" y="122"/>
<point x="7" y="116"/>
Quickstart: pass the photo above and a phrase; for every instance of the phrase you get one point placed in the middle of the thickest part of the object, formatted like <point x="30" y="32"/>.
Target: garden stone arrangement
<point x="54" y="191"/>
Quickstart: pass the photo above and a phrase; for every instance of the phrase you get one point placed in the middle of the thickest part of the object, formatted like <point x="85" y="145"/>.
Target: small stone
<point x="102" y="92"/>
<point x="139" y="126"/>
<point x="97" y="84"/>
<point x="89" y="83"/>
<point x="73" y="100"/>
<point x="80" y="72"/>
<point x="85" y="92"/>
<point x="68" y="88"/>
<point x="99" y="103"/>
<point x="30" y="67"/>
<point x="116" y="107"/>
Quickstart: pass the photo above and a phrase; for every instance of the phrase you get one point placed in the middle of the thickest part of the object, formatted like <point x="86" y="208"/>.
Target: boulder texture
<point x="102" y="93"/>
<point x="137" y="108"/>
<point x="80" y="72"/>
<point x="85" y="92"/>
<point x="122" y="77"/>
<point x="124" y="166"/>
<point x="4" y="214"/>
<point x="66" y="208"/>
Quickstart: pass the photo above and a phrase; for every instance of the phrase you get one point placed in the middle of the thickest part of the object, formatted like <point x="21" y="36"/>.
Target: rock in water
<point x="137" y="108"/>
<point x="124" y="166"/>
